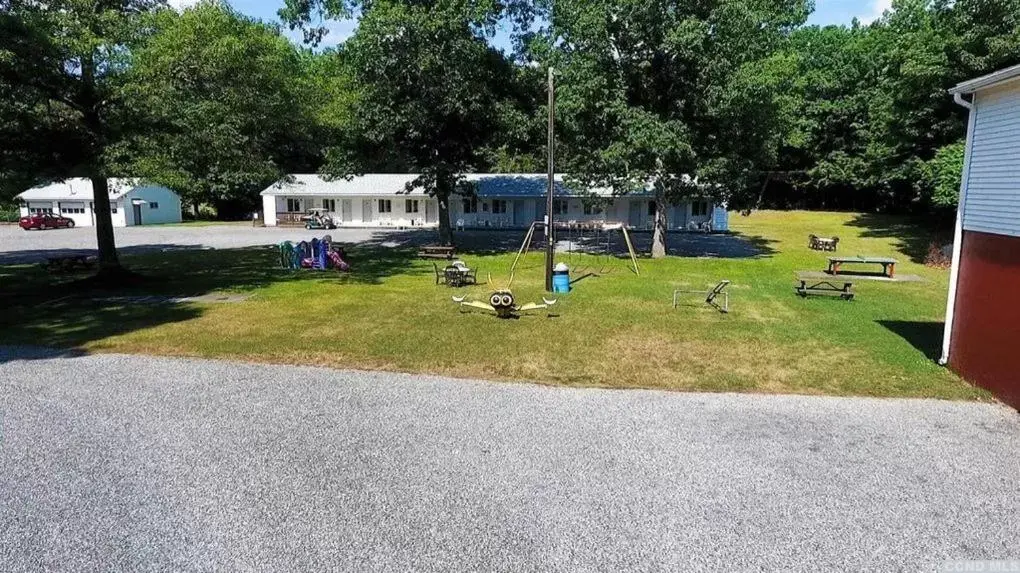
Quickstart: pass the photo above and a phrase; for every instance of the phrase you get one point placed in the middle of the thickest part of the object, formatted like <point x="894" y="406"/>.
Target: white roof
<point x="76" y="188"/>
<point x="372" y="184"/>
<point x="987" y="81"/>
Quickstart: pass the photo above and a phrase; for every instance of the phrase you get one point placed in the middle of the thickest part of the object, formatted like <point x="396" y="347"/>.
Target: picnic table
<point x="456" y="275"/>
<point x="888" y="265"/>
<point x="823" y="284"/>
<point x="436" y="252"/>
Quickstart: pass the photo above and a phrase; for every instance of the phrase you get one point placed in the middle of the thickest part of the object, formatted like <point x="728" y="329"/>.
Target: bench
<point x="810" y="283"/>
<point x="436" y="252"/>
<point x="888" y="265"/>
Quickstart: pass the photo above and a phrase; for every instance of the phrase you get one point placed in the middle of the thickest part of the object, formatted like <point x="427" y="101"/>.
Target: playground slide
<point x="338" y="263"/>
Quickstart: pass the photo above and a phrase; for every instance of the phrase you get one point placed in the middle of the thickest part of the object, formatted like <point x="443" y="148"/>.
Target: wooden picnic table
<point x="823" y="284"/>
<point x="888" y="265"/>
<point x="436" y="252"/>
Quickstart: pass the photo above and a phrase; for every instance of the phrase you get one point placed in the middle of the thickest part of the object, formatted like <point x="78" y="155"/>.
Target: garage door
<point x="72" y="208"/>
<point x="40" y="207"/>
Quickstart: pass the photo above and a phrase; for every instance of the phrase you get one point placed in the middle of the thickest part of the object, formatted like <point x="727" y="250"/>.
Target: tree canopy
<point x="62" y="65"/>
<point x="230" y="104"/>
<point x="735" y="100"/>
<point x="668" y="94"/>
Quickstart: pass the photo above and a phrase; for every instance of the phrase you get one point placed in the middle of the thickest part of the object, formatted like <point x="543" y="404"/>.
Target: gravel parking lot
<point x="125" y="463"/>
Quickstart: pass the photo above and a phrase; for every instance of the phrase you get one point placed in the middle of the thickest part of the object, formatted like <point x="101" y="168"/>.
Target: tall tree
<point x="429" y="91"/>
<point x="64" y="61"/>
<point x="229" y="104"/>
<point x="670" y="95"/>
<point x="876" y="128"/>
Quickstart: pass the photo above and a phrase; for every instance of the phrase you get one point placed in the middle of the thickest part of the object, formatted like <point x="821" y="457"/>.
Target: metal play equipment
<point x="601" y="231"/>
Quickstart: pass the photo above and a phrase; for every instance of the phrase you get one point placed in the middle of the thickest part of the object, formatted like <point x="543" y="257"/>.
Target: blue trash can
<point x="561" y="278"/>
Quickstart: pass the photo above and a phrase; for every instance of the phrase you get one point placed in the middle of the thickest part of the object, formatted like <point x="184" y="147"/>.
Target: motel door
<point x="366" y="210"/>
<point x="137" y="210"/>
<point x="430" y="211"/>
<point x="634" y="218"/>
<point x="521" y="214"/>
<point x="345" y="211"/>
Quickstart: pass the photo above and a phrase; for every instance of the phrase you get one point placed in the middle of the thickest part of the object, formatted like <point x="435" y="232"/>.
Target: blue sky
<point x="826" y="12"/>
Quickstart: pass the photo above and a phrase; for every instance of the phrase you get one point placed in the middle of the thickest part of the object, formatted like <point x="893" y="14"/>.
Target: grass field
<point x="614" y="330"/>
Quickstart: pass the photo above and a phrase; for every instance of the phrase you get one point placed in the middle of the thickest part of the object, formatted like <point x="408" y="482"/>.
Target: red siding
<point x="985" y="348"/>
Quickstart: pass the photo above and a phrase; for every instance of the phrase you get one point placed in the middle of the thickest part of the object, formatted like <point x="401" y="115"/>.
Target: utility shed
<point x="982" y="335"/>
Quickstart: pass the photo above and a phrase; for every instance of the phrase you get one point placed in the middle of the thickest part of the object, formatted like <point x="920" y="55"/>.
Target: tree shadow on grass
<point x="494" y="242"/>
<point x="924" y="336"/>
<point x="913" y="235"/>
<point x="70" y="311"/>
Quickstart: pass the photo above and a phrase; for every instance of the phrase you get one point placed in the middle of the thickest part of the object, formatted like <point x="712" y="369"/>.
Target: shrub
<point x="937" y="257"/>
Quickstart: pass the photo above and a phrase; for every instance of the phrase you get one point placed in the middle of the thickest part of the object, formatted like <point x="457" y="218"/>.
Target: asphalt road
<point x="120" y="463"/>
<point x="20" y="246"/>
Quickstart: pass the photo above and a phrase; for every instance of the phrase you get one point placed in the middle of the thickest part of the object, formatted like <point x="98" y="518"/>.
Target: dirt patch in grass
<point x="660" y="360"/>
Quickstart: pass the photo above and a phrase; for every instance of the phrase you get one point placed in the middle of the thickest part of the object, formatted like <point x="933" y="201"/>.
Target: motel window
<point x="293" y="205"/>
<point x="329" y="204"/>
<point x="113" y="208"/>
<point x="651" y="207"/>
<point x="699" y="208"/>
<point x="471" y="205"/>
<point x="410" y="205"/>
<point x="590" y="209"/>
<point x="499" y="206"/>
<point x="153" y="205"/>
<point x="560" y="206"/>
<point x="385" y="206"/>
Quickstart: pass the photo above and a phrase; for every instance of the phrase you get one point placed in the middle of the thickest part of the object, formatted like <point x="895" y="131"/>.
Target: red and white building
<point x="982" y="334"/>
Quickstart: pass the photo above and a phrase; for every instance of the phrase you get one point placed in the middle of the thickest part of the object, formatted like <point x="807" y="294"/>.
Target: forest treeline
<point x="738" y="98"/>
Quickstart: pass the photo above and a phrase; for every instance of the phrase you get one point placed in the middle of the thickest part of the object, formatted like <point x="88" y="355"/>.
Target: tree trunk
<point x="660" y="227"/>
<point x="195" y="207"/>
<point x="444" y="188"/>
<point x="109" y="265"/>
<point x="445" y="231"/>
<point x="108" y="262"/>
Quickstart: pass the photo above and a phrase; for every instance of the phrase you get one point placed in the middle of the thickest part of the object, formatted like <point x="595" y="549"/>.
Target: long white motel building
<point x="500" y="201"/>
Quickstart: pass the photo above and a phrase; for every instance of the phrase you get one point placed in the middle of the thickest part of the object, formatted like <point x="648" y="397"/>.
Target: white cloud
<point x="878" y="7"/>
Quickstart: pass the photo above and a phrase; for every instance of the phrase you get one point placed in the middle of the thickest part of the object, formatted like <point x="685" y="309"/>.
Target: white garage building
<point x="131" y="202"/>
<point x="501" y="201"/>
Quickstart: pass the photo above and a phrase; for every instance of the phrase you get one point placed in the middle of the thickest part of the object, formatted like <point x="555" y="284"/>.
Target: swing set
<point x="598" y="234"/>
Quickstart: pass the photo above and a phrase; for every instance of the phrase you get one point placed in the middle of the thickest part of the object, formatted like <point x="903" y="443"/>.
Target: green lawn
<point x="614" y="330"/>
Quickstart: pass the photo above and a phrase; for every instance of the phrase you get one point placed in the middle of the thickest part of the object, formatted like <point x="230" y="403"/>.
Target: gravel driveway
<point x="112" y="462"/>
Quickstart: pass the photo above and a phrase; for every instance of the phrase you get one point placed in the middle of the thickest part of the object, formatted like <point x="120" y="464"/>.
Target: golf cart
<point x="318" y="219"/>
